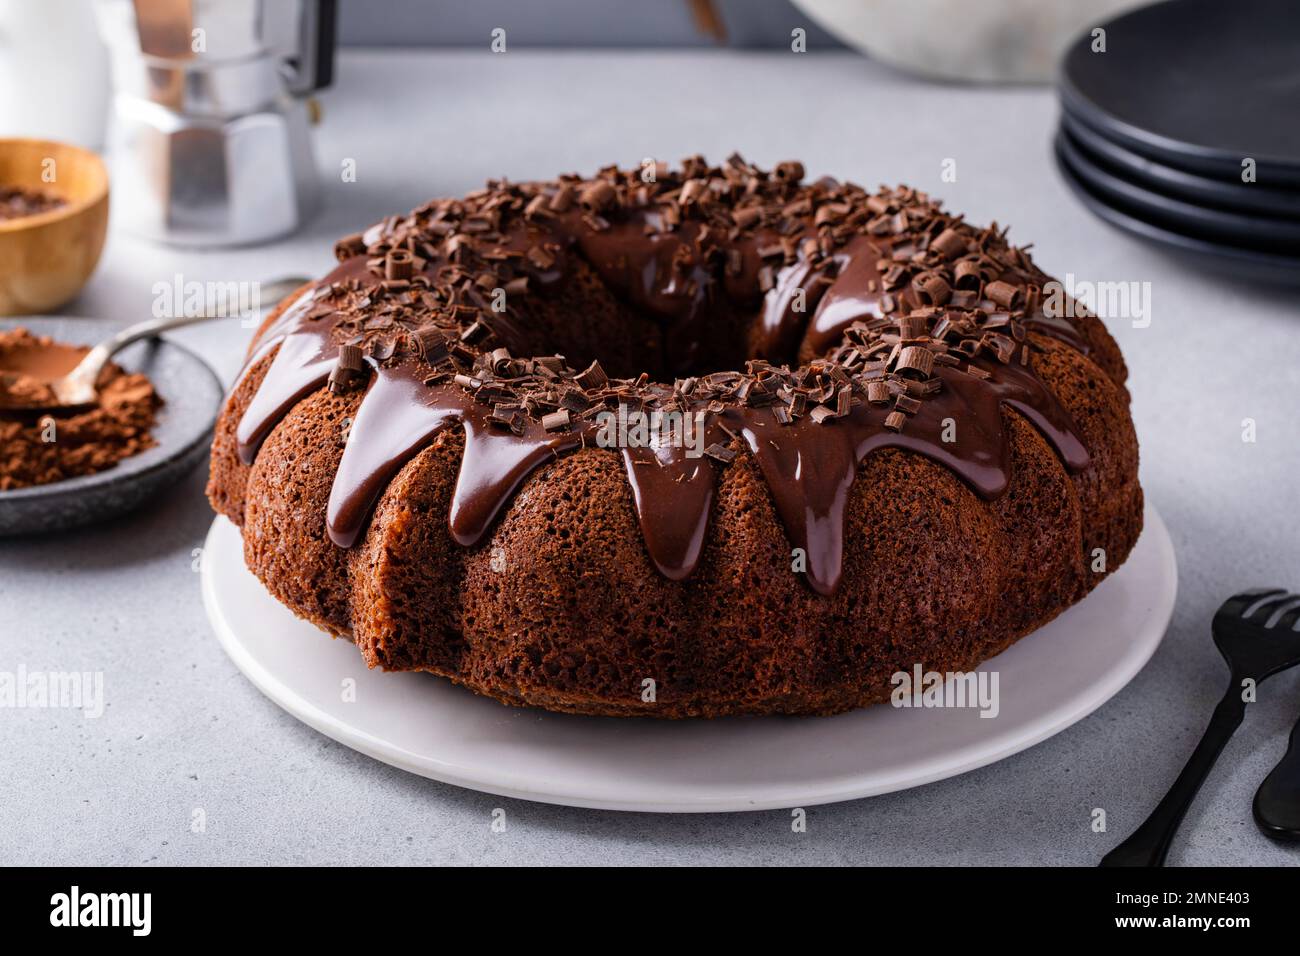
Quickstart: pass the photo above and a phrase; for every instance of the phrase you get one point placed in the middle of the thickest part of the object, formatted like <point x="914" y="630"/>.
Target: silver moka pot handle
<point x="313" y="67"/>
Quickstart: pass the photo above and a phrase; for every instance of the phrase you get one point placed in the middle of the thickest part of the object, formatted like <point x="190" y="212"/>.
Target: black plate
<point x="193" y="395"/>
<point x="1197" y="84"/>
<point x="1229" y="194"/>
<point x="1233" y="261"/>
<point x="1257" y="232"/>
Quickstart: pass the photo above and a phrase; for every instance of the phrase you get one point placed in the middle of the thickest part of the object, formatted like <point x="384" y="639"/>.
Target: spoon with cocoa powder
<point x="150" y="427"/>
<point x="38" y="379"/>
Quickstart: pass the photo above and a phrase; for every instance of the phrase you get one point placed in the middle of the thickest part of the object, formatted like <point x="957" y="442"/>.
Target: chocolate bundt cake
<point x="679" y="443"/>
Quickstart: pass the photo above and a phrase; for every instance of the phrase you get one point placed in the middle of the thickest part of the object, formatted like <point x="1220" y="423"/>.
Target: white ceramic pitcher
<point x="53" y="72"/>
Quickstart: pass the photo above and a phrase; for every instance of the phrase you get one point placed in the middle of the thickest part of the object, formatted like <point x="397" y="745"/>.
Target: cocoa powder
<point x="39" y="447"/>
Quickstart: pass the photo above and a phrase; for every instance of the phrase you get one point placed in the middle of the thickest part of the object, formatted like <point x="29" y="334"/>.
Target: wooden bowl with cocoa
<point x="53" y="219"/>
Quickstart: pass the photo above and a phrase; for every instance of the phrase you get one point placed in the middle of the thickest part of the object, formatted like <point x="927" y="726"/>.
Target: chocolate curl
<point x="349" y="246"/>
<point x="907" y="405"/>
<point x="694" y="191"/>
<point x="556" y="421"/>
<point x="950" y="243"/>
<point x="591" y="378"/>
<point x="913" y="326"/>
<point x="432" y="345"/>
<point x="1003" y="293"/>
<point x="916" y="358"/>
<point x="537" y="208"/>
<point x="562" y="201"/>
<point x="789" y="172"/>
<point x="399" y="264"/>
<point x="931" y="289"/>
<point x="351" y="358"/>
<point x="501" y="361"/>
<point x="968" y="274"/>
<point x="349" y="370"/>
<point x="598" y="196"/>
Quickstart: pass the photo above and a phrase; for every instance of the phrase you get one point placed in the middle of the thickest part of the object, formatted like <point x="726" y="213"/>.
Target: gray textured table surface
<point x="183" y="730"/>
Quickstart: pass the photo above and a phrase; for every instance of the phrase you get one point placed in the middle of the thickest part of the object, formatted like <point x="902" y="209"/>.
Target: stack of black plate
<point x="1184" y="130"/>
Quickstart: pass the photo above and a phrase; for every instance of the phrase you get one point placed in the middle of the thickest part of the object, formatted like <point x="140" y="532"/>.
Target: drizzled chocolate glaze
<point x="671" y="250"/>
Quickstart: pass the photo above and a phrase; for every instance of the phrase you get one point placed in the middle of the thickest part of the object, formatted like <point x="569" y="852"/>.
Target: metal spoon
<point x="78" y="387"/>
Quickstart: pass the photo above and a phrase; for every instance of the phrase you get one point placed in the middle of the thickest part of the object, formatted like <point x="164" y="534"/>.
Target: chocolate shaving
<point x="878" y="393"/>
<point x="948" y="293"/>
<point x="931" y="289"/>
<point x="907" y="404"/>
<point x="349" y="246"/>
<point x="598" y="196"/>
<point x="949" y="244"/>
<point x="916" y="358"/>
<point x="1003" y="293"/>
<point x="720" y="453"/>
<point x="556" y="421"/>
<point x="789" y="172"/>
<point x="399" y="264"/>
<point x="592" y="378"/>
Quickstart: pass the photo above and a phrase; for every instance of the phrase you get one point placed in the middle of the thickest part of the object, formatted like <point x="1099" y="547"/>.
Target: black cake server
<point x="1277" y="801"/>
<point x="1255" y="633"/>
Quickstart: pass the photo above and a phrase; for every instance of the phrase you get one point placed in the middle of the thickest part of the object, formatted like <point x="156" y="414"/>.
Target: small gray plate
<point x="192" y="396"/>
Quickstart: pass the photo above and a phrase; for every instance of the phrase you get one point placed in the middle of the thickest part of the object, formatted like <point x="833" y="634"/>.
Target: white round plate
<point x="429" y="726"/>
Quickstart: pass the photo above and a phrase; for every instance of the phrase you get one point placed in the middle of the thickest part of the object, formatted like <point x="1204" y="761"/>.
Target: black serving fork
<point x="1255" y="633"/>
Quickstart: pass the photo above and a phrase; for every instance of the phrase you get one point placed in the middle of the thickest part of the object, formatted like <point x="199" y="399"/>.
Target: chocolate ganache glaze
<point x="868" y="321"/>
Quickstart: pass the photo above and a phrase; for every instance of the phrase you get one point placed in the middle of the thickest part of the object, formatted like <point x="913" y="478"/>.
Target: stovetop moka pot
<point x="210" y="142"/>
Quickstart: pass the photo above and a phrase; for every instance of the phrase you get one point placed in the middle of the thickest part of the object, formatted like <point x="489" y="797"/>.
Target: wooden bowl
<point x="45" y="259"/>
